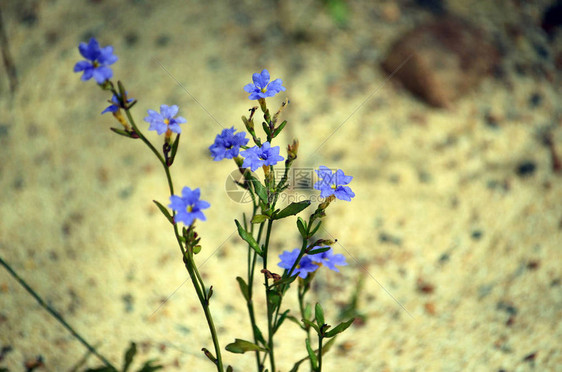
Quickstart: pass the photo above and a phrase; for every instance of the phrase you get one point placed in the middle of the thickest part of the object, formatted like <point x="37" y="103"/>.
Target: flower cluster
<point x="188" y="206"/>
<point x="310" y="263"/>
<point x="97" y="60"/>
<point x="165" y="121"/>
<point x="227" y="144"/>
<point x="334" y="184"/>
<point x="262" y="88"/>
<point x="256" y="157"/>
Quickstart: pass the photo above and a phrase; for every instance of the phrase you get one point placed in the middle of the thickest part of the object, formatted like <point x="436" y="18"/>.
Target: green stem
<point x="55" y="314"/>
<point x="270" y="308"/>
<point x="319" y="352"/>
<point x="189" y="262"/>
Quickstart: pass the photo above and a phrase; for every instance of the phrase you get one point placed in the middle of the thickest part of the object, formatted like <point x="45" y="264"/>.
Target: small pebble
<point x="526" y="168"/>
<point x="535" y="100"/>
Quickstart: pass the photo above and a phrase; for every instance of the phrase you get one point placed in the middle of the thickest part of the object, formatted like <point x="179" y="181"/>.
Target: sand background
<point x="441" y="220"/>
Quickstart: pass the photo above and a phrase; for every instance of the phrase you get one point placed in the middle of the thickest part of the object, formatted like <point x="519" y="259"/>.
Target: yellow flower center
<point x="167" y="121"/>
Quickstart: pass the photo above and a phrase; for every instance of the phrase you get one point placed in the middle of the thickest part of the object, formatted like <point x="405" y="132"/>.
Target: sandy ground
<point x="459" y="253"/>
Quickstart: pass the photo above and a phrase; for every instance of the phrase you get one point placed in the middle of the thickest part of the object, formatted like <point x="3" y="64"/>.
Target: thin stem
<point x="189" y="262"/>
<point x="270" y="310"/>
<point x="55" y="314"/>
<point x="319" y="352"/>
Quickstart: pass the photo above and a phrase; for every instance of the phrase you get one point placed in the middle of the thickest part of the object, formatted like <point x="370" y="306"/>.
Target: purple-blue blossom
<point x="189" y="206"/>
<point x="227" y="144"/>
<point x="256" y="157"/>
<point x="333" y="184"/>
<point x="115" y="104"/>
<point x="164" y="120"/>
<point x="329" y="259"/>
<point x="304" y="267"/>
<point x="96" y="63"/>
<point x="262" y="88"/>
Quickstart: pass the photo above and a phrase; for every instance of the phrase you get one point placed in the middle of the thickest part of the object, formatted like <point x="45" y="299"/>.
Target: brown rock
<point x="446" y="58"/>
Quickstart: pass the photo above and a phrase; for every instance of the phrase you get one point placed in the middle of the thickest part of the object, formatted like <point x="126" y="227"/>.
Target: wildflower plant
<point x="256" y="164"/>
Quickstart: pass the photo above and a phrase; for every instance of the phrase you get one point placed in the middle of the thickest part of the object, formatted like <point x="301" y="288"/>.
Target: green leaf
<point x="301" y="225"/>
<point x="175" y="148"/>
<point x="259" y="335"/>
<point x="129" y="355"/>
<point x="282" y="318"/>
<point x="122" y="132"/>
<point x="318" y="251"/>
<point x="311" y="355"/>
<point x="246" y="236"/>
<point x="279" y="128"/>
<point x="148" y="367"/>
<point x="339" y="328"/>
<point x="258" y="187"/>
<point x="292" y="209"/>
<point x="311" y="324"/>
<point x="209" y="355"/>
<point x="307" y="311"/>
<point x="266" y="128"/>
<point x="164" y="212"/>
<point x="241" y="346"/>
<point x="315" y="228"/>
<point x="101" y="369"/>
<point x="319" y="315"/>
<point x="273" y="298"/>
<point x="296" y="321"/>
<point x="243" y="288"/>
<point x="259" y="218"/>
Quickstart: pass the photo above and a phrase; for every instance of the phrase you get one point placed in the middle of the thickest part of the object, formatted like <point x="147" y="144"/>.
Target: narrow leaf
<point x="311" y="355"/>
<point x="292" y="209"/>
<point x="122" y="132"/>
<point x="301" y="225"/>
<point x="266" y="128"/>
<point x="243" y="288"/>
<point x="315" y="228"/>
<point x="209" y="355"/>
<point x="319" y="315"/>
<point x="175" y="147"/>
<point x="258" y="187"/>
<point x="339" y="328"/>
<point x="129" y="355"/>
<point x="164" y="211"/>
<point x="241" y="346"/>
<point x="282" y="318"/>
<point x="259" y="335"/>
<point x="248" y="238"/>
<point x="311" y="324"/>
<point x="259" y="218"/>
<point x="318" y="250"/>
<point x="149" y="367"/>
<point x="279" y="128"/>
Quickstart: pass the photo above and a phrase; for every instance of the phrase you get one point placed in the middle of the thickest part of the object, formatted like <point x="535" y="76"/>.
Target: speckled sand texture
<point x="457" y="218"/>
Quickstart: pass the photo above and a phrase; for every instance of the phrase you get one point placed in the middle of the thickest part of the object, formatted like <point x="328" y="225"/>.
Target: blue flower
<point x="304" y="267"/>
<point x="256" y="157"/>
<point x="188" y="206"/>
<point x="97" y="60"/>
<point x="329" y="259"/>
<point x="227" y="144"/>
<point x="262" y="88"/>
<point x="115" y="106"/>
<point x="164" y="121"/>
<point x="333" y="184"/>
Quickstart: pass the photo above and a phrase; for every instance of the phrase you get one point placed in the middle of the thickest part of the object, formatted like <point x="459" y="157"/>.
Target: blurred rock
<point x="448" y="58"/>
